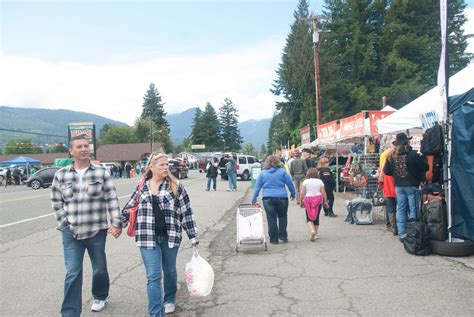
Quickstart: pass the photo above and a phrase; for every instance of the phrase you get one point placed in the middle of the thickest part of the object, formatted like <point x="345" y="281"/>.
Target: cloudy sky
<point x="100" y="56"/>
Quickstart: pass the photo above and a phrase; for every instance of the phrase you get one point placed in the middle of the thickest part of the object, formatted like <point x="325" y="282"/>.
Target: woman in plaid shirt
<point x="164" y="210"/>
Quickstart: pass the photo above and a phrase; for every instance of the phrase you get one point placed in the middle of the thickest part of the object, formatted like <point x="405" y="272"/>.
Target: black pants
<point x="330" y="194"/>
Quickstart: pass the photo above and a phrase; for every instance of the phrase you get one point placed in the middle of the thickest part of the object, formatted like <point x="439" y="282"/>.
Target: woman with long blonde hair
<point x="164" y="210"/>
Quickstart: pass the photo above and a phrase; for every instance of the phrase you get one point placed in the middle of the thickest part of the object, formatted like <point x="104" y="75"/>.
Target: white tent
<point x="408" y="117"/>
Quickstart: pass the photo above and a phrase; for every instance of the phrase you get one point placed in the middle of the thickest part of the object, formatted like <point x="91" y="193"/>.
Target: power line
<point x="35" y="133"/>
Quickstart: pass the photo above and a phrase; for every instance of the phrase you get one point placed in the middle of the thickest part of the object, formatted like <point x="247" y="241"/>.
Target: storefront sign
<point x="305" y="135"/>
<point x="327" y="132"/>
<point x="375" y="116"/>
<point x="352" y="126"/>
<point x="86" y="128"/>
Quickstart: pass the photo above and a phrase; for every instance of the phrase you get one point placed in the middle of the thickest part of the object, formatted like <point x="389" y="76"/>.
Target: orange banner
<point x="375" y="116"/>
<point x="327" y="132"/>
<point x="352" y="126"/>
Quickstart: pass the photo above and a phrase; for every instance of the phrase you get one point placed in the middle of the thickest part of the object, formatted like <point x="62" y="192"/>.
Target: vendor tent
<point x="21" y="161"/>
<point x="462" y="165"/>
<point x="408" y="117"/>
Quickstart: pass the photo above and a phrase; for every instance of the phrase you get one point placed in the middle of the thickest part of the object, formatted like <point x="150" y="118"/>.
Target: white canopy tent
<point x="408" y="117"/>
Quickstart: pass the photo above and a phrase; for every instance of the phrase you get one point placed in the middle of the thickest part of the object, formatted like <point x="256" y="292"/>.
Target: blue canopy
<point x="462" y="165"/>
<point x="21" y="160"/>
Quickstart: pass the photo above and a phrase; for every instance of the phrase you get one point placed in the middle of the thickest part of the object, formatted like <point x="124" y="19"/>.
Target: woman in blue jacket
<point x="272" y="180"/>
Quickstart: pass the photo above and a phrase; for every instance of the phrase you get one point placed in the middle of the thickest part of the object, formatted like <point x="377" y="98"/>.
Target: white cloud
<point x="116" y="91"/>
<point x="469" y="28"/>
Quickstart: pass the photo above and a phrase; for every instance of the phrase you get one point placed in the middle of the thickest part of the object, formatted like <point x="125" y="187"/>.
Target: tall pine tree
<point x="153" y="107"/>
<point x="198" y="132"/>
<point x="229" y="121"/>
<point x="212" y="130"/>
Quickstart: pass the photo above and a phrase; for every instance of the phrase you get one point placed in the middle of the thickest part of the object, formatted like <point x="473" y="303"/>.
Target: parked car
<point x="178" y="168"/>
<point x="203" y="160"/>
<point x="107" y="165"/>
<point x="42" y="178"/>
<point x="244" y="166"/>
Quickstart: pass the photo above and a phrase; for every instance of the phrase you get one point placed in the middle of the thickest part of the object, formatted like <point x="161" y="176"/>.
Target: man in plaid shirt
<point x="81" y="196"/>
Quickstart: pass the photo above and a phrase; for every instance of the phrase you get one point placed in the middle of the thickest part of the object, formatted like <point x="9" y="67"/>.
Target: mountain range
<point x="54" y="123"/>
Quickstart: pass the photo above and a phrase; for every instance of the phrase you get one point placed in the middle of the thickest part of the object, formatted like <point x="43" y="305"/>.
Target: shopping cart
<point x="250" y="226"/>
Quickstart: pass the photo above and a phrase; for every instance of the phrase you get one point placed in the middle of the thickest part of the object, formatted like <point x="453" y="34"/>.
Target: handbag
<point x="378" y="199"/>
<point x="360" y="180"/>
<point x="132" y="218"/>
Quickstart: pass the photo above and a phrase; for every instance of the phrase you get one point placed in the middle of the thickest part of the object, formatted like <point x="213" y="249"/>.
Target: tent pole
<point x="337" y="169"/>
<point x="447" y="174"/>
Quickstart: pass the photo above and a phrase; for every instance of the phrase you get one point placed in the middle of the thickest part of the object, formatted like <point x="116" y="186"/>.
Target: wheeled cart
<point x="250" y="226"/>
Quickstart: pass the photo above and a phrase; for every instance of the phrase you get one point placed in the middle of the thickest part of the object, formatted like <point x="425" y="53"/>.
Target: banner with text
<point x="327" y="132"/>
<point x="352" y="126"/>
<point x="375" y="116"/>
<point x="305" y="135"/>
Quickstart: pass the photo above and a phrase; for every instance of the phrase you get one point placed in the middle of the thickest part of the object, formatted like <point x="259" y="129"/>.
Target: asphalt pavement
<point x="349" y="270"/>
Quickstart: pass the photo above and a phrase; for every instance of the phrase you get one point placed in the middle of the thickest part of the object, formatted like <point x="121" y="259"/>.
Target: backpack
<point x="433" y="141"/>
<point x="434" y="211"/>
<point x="417" y="241"/>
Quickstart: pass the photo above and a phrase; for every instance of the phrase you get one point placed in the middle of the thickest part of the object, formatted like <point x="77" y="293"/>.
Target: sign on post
<point x="86" y="128"/>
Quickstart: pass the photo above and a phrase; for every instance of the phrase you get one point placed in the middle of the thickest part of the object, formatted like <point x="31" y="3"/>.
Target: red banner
<point x="327" y="132"/>
<point x="352" y="126"/>
<point x="375" y="116"/>
<point x="305" y="135"/>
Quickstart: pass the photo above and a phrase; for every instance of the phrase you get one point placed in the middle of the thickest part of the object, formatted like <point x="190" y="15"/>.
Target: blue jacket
<point x="273" y="182"/>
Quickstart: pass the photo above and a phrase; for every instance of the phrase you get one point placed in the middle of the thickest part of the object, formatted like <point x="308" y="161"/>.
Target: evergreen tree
<point x="199" y="128"/>
<point x="249" y="149"/>
<point x="263" y="152"/>
<point x="212" y="134"/>
<point x="229" y="120"/>
<point x="295" y="81"/>
<point x="153" y="107"/>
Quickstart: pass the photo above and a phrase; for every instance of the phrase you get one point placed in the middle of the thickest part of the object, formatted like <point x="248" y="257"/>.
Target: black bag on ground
<point x="435" y="215"/>
<point x="417" y="241"/>
<point x="359" y="212"/>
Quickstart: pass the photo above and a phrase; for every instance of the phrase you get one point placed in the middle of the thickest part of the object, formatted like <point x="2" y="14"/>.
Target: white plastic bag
<point x="199" y="276"/>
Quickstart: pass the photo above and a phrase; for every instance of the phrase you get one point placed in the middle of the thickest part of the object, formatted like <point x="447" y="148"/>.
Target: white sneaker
<point x="169" y="308"/>
<point x="98" y="305"/>
<point x="228" y="189"/>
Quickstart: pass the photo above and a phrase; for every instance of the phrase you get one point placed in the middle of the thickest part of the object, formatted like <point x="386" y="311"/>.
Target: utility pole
<point x="151" y="136"/>
<point x="316" y="68"/>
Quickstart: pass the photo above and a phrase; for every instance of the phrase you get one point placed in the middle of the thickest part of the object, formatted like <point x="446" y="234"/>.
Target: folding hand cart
<point x="250" y="226"/>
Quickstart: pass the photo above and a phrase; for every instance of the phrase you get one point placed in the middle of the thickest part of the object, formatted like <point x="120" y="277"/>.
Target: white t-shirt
<point x="313" y="186"/>
<point x="81" y="176"/>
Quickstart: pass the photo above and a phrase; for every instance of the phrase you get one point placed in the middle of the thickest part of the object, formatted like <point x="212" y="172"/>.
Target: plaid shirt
<point x="84" y="213"/>
<point x="177" y="211"/>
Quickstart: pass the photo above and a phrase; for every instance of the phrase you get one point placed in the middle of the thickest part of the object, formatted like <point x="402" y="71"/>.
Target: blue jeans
<point x="73" y="257"/>
<point x="276" y="209"/>
<point x="155" y="260"/>
<point x="232" y="180"/>
<point x="209" y="179"/>
<point x="406" y="198"/>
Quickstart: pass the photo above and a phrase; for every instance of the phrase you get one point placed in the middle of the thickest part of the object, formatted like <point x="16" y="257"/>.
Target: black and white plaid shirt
<point x="177" y="211"/>
<point x="84" y="210"/>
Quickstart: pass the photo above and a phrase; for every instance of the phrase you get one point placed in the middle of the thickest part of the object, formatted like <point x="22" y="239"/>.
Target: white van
<point x="244" y="166"/>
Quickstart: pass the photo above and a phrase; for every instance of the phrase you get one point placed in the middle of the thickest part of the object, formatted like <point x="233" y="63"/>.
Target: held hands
<point x="114" y="231"/>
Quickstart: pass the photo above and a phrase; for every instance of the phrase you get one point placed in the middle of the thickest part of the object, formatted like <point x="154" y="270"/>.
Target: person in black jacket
<point x="326" y="176"/>
<point x="211" y="172"/>
<point x="407" y="168"/>
<point x="223" y="168"/>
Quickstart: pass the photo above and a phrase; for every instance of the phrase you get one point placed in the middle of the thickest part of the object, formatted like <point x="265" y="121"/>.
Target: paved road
<point x="350" y="270"/>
